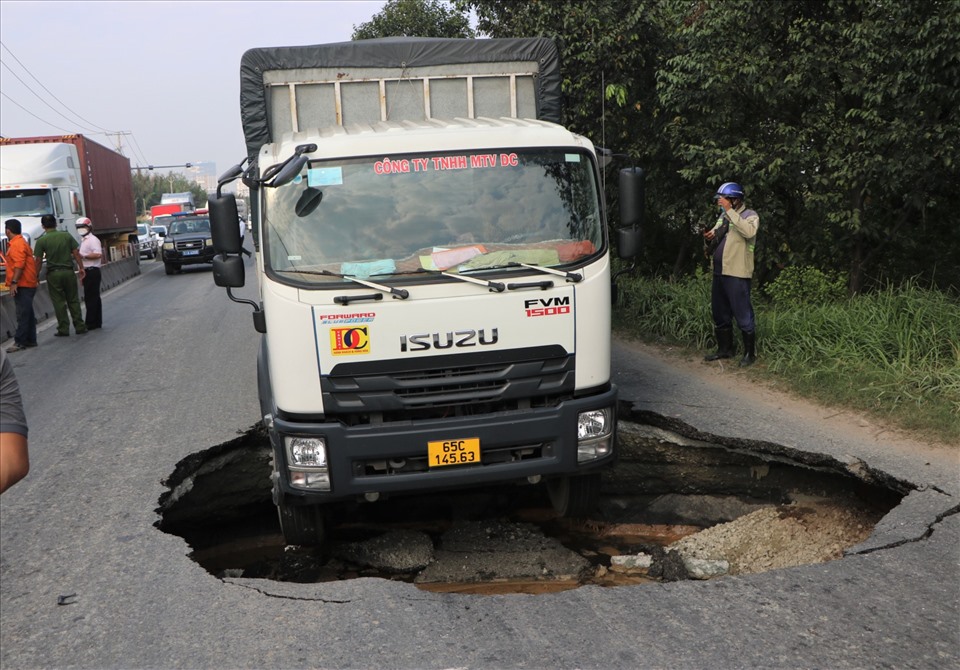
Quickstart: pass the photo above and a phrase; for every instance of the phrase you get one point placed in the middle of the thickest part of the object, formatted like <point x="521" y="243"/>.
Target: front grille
<point x="189" y="245"/>
<point x="447" y="386"/>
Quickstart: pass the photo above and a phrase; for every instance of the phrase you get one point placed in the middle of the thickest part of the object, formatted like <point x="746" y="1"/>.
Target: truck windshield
<point x="34" y="202"/>
<point x="457" y="212"/>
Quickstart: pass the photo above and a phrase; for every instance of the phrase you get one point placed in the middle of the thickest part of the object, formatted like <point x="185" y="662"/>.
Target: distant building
<point x="203" y="173"/>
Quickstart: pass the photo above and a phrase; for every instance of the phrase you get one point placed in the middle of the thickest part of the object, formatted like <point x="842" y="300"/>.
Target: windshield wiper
<point x="494" y="286"/>
<point x="399" y="293"/>
<point x="570" y="276"/>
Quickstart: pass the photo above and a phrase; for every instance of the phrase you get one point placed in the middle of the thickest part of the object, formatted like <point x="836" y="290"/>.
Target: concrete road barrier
<point x="112" y="274"/>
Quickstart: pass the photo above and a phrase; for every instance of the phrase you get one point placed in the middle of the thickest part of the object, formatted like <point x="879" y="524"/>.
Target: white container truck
<point x="434" y="273"/>
<point x="68" y="176"/>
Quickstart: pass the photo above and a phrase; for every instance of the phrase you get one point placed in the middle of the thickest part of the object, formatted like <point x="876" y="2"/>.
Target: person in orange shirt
<point x="22" y="280"/>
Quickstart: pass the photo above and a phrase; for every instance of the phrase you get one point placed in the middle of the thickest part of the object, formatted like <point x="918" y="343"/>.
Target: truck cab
<point x="435" y="293"/>
<point x="40" y="179"/>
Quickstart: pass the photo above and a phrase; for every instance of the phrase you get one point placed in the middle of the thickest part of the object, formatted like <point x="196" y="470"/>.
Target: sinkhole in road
<point x="678" y="504"/>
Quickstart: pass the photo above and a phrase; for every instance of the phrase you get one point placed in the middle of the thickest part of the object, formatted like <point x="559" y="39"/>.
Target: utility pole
<point x="118" y="141"/>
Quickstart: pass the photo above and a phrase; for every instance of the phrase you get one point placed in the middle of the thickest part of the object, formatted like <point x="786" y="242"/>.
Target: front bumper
<point x="392" y="459"/>
<point x="189" y="257"/>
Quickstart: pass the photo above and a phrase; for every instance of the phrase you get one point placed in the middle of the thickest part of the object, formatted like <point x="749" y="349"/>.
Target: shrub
<point x="806" y="285"/>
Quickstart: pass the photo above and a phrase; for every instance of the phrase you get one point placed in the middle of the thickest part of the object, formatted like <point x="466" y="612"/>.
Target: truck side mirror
<point x="225" y="224"/>
<point x="628" y="242"/>
<point x="228" y="271"/>
<point x="632" y="197"/>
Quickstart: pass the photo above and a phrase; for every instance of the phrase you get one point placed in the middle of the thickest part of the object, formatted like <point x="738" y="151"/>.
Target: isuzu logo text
<point x="460" y="338"/>
<point x="547" y="307"/>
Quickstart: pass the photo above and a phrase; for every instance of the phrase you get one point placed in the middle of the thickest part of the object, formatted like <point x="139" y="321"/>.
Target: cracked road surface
<point x="103" y="437"/>
<point x="760" y="509"/>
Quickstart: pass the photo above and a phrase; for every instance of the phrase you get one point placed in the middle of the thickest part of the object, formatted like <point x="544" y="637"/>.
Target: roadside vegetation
<point x="893" y="353"/>
<point x="149" y="187"/>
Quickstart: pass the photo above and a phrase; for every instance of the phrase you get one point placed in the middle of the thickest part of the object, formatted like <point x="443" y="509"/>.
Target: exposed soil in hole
<point x="673" y="508"/>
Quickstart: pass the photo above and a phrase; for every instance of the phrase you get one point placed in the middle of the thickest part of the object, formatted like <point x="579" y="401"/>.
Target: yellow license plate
<point x="453" y="452"/>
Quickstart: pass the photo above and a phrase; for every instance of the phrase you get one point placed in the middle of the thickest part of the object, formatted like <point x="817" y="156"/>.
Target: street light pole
<point x="157" y="167"/>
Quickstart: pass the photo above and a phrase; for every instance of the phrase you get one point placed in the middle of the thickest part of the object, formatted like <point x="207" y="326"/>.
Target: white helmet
<point x="84" y="221"/>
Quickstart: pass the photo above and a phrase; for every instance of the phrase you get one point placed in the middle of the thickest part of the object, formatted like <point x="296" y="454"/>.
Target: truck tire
<point x="169" y="268"/>
<point x="302" y="524"/>
<point x="575" y="497"/>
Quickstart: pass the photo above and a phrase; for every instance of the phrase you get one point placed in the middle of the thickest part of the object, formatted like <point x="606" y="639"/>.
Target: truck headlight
<point x="168" y="246"/>
<point x="594" y="434"/>
<point x="307" y="462"/>
<point x="208" y="242"/>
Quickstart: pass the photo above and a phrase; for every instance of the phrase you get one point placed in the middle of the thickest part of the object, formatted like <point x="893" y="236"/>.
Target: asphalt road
<point x="172" y="372"/>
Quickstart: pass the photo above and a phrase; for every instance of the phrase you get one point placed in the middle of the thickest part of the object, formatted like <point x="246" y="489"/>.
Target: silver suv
<point x="148" y="240"/>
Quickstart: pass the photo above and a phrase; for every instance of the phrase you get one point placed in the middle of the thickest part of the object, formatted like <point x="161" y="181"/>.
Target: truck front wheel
<point x="169" y="268"/>
<point x="575" y="497"/>
<point x="302" y="524"/>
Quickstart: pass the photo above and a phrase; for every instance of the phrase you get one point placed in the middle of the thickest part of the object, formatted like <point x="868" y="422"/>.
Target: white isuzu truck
<point x="434" y="272"/>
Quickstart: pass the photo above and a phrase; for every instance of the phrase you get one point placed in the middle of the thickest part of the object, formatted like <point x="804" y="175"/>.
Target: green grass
<point x="894" y="354"/>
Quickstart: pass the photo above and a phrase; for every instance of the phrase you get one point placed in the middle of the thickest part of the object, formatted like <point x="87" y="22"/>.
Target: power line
<point x="65" y="106"/>
<point x="135" y="146"/>
<point x="40" y="98"/>
<point x="119" y="134"/>
<point x="140" y="156"/>
<point x="34" y="115"/>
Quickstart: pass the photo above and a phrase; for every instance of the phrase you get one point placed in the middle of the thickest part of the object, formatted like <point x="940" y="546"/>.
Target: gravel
<point x="781" y="536"/>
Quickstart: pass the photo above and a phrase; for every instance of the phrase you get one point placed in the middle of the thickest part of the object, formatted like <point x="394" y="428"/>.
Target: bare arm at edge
<point x="14" y="459"/>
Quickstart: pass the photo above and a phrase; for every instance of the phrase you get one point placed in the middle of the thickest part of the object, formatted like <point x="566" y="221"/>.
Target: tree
<point x="609" y="54"/>
<point x="149" y="187"/>
<point x="840" y="115"/>
<point x="415" y="18"/>
<point x="841" y="118"/>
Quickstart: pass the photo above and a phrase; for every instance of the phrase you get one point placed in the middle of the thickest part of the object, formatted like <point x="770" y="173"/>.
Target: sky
<point x="166" y="73"/>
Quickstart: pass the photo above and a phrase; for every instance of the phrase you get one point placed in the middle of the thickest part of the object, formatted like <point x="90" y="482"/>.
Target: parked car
<point x="148" y="241"/>
<point x="188" y="241"/>
<point x="160" y="230"/>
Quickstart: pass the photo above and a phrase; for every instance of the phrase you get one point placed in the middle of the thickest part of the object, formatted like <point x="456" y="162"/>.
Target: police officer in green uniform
<point x="61" y="250"/>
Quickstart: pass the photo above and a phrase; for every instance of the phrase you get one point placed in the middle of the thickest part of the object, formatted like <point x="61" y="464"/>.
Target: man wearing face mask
<point x="91" y="251"/>
<point x="732" y="240"/>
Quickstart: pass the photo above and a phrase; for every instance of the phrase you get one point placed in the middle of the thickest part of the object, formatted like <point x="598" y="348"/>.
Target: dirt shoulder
<point x="845" y="423"/>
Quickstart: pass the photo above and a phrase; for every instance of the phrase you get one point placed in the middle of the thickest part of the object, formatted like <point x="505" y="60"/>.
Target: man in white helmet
<point x="732" y="241"/>
<point x="91" y="251"/>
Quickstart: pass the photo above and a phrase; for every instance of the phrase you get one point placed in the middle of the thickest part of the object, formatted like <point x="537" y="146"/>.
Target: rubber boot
<point x="749" y="349"/>
<point x="724" y="345"/>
